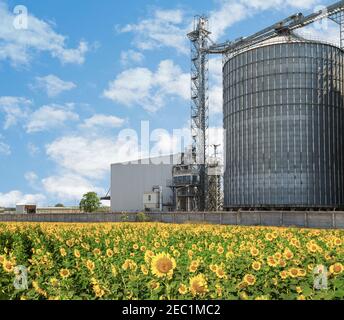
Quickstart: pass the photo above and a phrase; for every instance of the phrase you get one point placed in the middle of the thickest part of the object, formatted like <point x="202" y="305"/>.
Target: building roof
<point x="164" y="159"/>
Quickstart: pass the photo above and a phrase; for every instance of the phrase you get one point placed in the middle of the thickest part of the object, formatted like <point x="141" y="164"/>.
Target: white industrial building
<point x="26" y="208"/>
<point x="143" y="185"/>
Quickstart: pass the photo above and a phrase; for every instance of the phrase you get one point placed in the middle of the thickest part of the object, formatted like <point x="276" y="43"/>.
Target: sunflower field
<point x="156" y="261"/>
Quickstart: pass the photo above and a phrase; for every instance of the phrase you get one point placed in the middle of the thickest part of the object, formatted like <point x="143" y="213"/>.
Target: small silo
<point x="284" y="126"/>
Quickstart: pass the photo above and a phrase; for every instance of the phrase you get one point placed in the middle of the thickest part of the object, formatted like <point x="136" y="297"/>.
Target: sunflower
<point x="301" y="297"/>
<point x="198" y="285"/>
<point x="54" y="282"/>
<point x="249" y="279"/>
<point x="63" y="252"/>
<point x="193" y="268"/>
<point x="284" y="274"/>
<point x="294" y="242"/>
<point x="195" y="263"/>
<point x="337" y="241"/>
<point x="336" y="268"/>
<point x="301" y="272"/>
<point x="269" y="237"/>
<point x="109" y="253"/>
<point x="288" y="254"/>
<point x="8" y="266"/>
<point x="154" y="285"/>
<point x="312" y="247"/>
<point x="278" y="255"/>
<point x="293" y="272"/>
<point x="220" y="250"/>
<point x="218" y="290"/>
<point x="213" y="267"/>
<point x="99" y="292"/>
<point x="114" y="271"/>
<point x="143" y="248"/>
<point x="262" y="298"/>
<point x="327" y="257"/>
<point x="220" y="273"/>
<point x="183" y="289"/>
<point x="282" y="263"/>
<point x="254" y="252"/>
<point x="176" y="253"/>
<point x="77" y="253"/>
<point x="70" y="243"/>
<point x="85" y="246"/>
<point x="163" y="265"/>
<point x="298" y="290"/>
<point x="90" y="265"/>
<point x="135" y="246"/>
<point x="272" y="261"/>
<point x="243" y="296"/>
<point x="97" y="252"/>
<point x="256" y="265"/>
<point x="229" y="254"/>
<point x="129" y="264"/>
<point x="64" y="273"/>
<point x="157" y="245"/>
<point x="144" y="270"/>
<point x="148" y="256"/>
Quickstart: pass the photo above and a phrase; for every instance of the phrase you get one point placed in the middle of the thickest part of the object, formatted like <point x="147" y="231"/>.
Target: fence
<point x="306" y="219"/>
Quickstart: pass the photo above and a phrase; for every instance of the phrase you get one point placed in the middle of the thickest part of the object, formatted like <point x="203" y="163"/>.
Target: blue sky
<point x="84" y="71"/>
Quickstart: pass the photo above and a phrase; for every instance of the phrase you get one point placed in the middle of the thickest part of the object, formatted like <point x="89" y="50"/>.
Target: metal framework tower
<point x="200" y="103"/>
<point x="339" y="19"/>
<point x="214" y="173"/>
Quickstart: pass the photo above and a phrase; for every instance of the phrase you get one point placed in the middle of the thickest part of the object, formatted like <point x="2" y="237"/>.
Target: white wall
<point x="130" y="181"/>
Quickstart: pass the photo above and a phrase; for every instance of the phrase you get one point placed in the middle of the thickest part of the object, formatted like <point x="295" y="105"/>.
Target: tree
<point x="90" y="202"/>
<point x="59" y="205"/>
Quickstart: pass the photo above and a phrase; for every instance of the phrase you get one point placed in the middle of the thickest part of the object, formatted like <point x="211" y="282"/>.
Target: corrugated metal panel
<point x="283" y="116"/>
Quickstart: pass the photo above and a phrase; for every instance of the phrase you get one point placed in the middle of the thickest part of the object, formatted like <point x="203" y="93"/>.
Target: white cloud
<point x="50" y="117"/>
<point x="69" y="186"/>
<point x="88" y="156"/>
<point x="15" y="109"/>
<point x="131" y="56"/>
<point x="164" y="29"/>
<point x="150" y="90"/>
<point x="17" y="46"/>
<point x="216" y="99"/>
<point x="231" y="12"/>
<point x="326" y="31"/>
<point x="32" y="149"/>
<point x="31" y="177"/>
<point x="12" y="198"/>
<point x="215" y="85"/>
<point x="53" y="85"/>
<point x="168" y="28"/>
<point x="5" y="149"/>
<point x="103" y="121"/>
